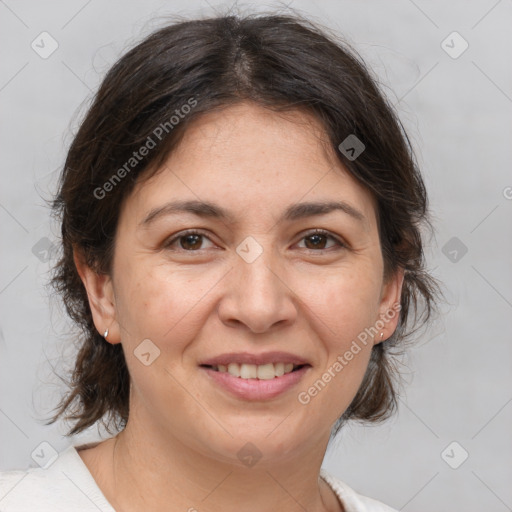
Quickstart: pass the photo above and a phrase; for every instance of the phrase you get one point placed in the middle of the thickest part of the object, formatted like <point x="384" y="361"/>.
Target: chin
<point x="269" y="439"/>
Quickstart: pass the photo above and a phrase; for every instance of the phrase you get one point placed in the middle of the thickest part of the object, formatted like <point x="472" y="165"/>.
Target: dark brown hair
<point x="282" y="63"/>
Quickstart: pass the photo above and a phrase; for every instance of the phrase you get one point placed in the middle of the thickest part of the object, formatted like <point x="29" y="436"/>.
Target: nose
<point x="257" y="295"/>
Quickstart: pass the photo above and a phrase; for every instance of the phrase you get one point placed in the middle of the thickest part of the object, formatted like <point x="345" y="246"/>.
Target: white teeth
<point x="248" y="371"/>
<point x="253" y="371"/>
<point x="279" y="368"/>
<point x="234" y="369"/>
<point x="266" y="371"/>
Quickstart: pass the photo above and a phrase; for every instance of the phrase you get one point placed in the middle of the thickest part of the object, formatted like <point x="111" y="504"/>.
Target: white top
<point x="67" y="485"/>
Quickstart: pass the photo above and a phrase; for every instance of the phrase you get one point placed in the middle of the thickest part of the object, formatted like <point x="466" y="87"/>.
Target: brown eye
<point x="189" y="241"/>
<point x="318" y="240"/>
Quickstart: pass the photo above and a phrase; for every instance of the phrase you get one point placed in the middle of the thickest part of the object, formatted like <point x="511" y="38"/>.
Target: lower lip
<point x="255" y="389"/>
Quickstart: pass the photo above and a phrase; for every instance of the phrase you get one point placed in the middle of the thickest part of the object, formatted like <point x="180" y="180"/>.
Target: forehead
<point x="248" y="129"/>
<point x="255" y="162"/>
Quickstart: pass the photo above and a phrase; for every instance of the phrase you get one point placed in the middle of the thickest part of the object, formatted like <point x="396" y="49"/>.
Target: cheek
<point x="166" y="308"/>
<point x="161" y="304"/>
<point x="348" y="303"/>
<point x="347" y="308"/>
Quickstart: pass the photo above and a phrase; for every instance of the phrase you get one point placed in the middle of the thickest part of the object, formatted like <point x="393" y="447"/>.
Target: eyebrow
<point x="211" y="210"/>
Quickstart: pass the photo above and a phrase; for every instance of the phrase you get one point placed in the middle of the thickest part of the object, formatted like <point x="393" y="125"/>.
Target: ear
<point x="390" y="306"/>
<point x="100" y="293"/>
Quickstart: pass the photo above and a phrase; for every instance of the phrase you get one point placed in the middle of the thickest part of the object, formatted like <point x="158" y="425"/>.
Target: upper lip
<point x="257" y="359"/>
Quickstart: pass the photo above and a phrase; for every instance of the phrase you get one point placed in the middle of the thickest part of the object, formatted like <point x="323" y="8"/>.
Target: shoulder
<point x="63" y="485"/>
<point x="351" y="500"/>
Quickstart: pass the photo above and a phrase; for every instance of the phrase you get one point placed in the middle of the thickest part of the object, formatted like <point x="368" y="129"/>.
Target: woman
<point x="241" y="217"/>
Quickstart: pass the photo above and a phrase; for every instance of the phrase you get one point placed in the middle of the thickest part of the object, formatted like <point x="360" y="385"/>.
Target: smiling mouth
<point x="252" y="371"/>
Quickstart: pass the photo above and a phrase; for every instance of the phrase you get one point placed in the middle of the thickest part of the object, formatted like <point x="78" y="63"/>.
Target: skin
<point x="201" y="299"/>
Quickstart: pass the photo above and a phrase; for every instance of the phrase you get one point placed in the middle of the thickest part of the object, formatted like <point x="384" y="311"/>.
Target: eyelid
<point x="316" y="231"/>
<point x="319" y="231"/>
<point x="193" y="231"/>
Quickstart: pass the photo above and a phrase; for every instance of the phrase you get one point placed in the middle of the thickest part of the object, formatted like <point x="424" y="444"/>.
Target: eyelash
<point x="323" y="232"/>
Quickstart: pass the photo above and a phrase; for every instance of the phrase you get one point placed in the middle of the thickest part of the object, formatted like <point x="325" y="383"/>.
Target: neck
<point x="152" y="471"/>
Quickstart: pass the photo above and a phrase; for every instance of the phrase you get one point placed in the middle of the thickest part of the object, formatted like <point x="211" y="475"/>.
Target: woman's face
<point x="255" y="286"/>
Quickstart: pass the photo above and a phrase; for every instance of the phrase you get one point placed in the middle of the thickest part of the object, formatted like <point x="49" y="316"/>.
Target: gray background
<point x="457" y="113"/>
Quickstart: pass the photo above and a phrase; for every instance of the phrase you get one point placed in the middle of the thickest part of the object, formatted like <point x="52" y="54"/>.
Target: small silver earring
<point x="105" y="334"/>
<point x="381" y="335"/>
